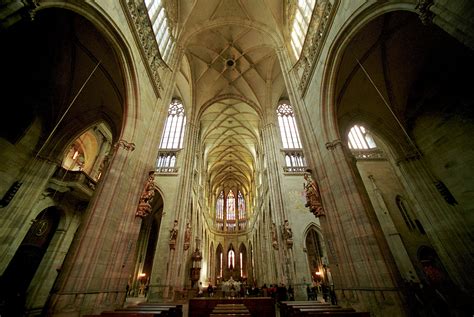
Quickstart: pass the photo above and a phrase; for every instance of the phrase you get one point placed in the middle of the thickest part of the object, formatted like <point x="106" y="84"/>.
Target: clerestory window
<point x="231" y="214"/>
<point x="360" y="139"/>
<point x="302" y="18"/>
<point x="160" y="25"/>
<point x="242" y="211"/>
<point x="172" y="138"/>
<point x="290" y="138"/>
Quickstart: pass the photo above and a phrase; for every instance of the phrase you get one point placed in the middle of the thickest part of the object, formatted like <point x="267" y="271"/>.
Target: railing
<point x="372" y="154"/>
<point x="167" y="170"/>
<point x="294" y="169"/>
<point x="294" y="160"/>
<point x="79" y="177"/>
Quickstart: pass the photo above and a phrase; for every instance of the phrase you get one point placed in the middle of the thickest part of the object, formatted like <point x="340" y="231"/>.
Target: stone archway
<point x="22" y="268"/>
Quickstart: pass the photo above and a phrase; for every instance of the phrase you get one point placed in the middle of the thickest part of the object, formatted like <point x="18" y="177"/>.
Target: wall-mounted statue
<point x="187" y="236"/>
<point x="274" y="237"/>
<point x="287" y="234"/>
<point x="144" y="206"/>
<point x="173" y="235"/>
<point x="313" y="197"/>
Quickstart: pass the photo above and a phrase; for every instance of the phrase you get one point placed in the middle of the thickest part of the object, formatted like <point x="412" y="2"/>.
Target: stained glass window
<point x="230" y="215"/>
<point x="220" y="207"/>
<point x="241" y="206"/>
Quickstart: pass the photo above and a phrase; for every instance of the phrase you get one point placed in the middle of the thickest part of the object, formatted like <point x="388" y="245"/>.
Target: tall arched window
<point x="304" y="11"/>
<point x="290" y="138"/>
<point x="220" y="207"/>
<point x="159" y="21"/>
<point x="230" y="206"/>
<point x="172" y="138"/>
<point x="242" y="211"/>
<point x="360" y="139"/>
<point x="231" y="259"/>
<point x="230" y="211"/>
<point x="412" y="224"/>
<point x="220" y="261"/>
<point x="173" y="133"/>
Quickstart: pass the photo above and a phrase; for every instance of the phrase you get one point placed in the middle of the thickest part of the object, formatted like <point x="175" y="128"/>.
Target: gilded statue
<point x="313" y="197"/>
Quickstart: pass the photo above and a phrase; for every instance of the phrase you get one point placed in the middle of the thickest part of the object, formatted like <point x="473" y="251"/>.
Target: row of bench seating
<point x="313" y="308"/>
<point x="224" y="310"/>
<point x="145" y="310"/>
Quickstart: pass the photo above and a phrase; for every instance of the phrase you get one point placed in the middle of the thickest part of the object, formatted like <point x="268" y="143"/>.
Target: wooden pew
<point x="286" y="307"/>
<point x="175" y="310"/>
<point x="147" y="310"/>
<point x="317" y="309"/>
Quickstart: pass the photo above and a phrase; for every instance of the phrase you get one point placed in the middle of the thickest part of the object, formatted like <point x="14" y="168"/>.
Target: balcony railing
<point x="371" y="154"/>
<point x="78" y="182"/>
<point x="167" y="170"/>
<point x="294" y="169"/>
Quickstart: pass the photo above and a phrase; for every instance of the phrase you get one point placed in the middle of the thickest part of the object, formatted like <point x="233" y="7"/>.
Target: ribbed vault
<point x="236" y="75"/>
<point x="229" y="132"/>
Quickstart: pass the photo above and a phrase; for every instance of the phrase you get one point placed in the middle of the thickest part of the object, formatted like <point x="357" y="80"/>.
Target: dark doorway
<point x="22" y="268"/>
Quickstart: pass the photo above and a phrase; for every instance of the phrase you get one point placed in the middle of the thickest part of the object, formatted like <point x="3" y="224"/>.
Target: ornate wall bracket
<point x="334" y="144"/>
<point x="424" y="12"/>
<point x="125" y="145"/>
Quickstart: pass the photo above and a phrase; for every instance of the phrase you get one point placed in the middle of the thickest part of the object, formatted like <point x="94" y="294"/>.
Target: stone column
<point x="361" y="266"/>
<point x="18" y="214"/>
<point x="177" y="272"/>
<point x="96" y="269"/>
<point x="443" y="223"/>
<point x="277" y="205"/>
<point x="394" y="240"/>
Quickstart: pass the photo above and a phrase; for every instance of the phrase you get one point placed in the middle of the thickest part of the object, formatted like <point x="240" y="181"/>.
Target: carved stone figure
<point x="187" y="236"/>
<point x="313" y="197"/>
<point x="173" y="235"/>
<point x="288" y="234"/>
<point x="274" y="237"/>
<point x="144" y="206"/>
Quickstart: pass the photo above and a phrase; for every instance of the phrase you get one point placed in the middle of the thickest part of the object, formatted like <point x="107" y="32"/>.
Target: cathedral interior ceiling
<point x="235" y="75"/>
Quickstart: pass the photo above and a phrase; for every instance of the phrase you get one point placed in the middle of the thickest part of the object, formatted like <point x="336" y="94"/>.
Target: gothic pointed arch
<point x="220" y="262"/>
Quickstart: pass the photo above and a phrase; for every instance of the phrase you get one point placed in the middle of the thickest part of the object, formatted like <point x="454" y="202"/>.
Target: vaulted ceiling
<point x="235" y="78"/>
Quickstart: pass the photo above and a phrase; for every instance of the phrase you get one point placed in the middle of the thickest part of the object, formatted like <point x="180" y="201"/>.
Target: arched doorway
<point x="21" y="269"/>
<point x="314" y="253"/>
<point x="139" y="283"/>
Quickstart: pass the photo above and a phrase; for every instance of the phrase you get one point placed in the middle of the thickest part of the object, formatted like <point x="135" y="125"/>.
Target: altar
<point x="231" y="288"/>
